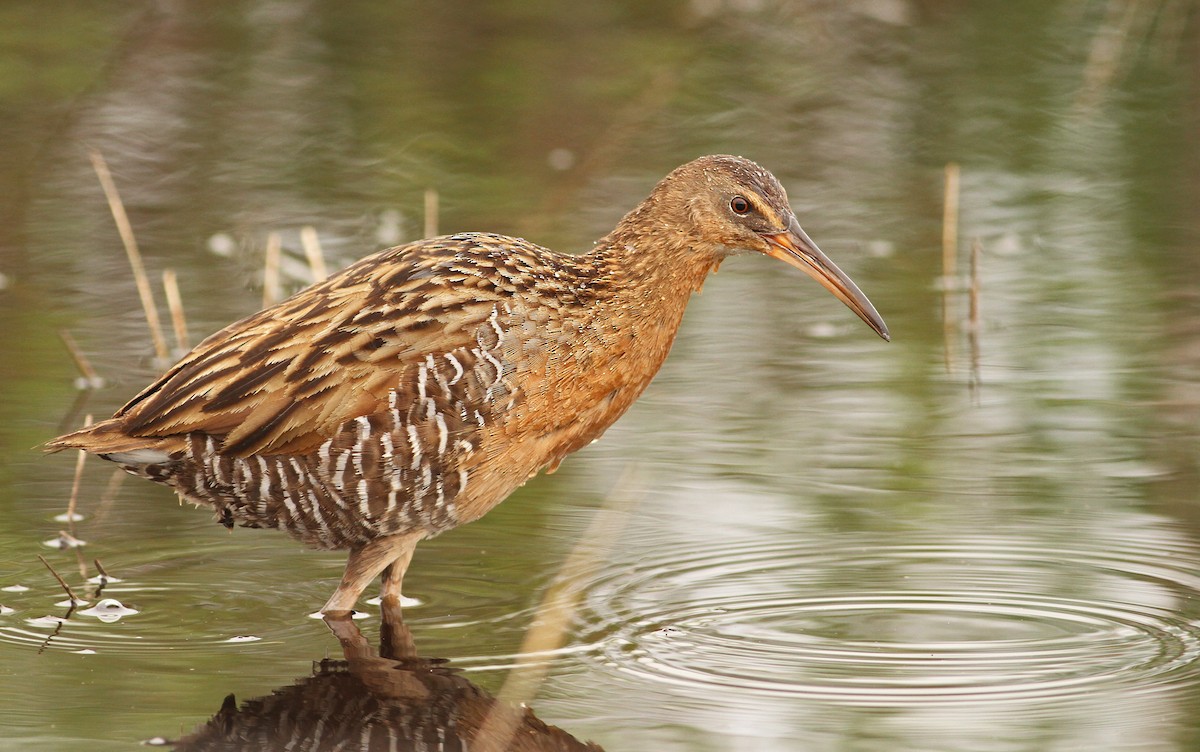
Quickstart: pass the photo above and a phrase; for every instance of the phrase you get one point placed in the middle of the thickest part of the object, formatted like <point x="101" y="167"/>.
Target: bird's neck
<point x="644" y="261"/>
<point x="632" y="292"/>
<point x="647" y="278"/>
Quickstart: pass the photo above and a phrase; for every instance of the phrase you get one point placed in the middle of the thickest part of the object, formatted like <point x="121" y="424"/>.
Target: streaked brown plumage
<point x="416" y="389"/>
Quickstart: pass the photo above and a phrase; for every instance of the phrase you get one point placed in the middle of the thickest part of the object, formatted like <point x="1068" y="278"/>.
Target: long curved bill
<point x="796" y="248"/>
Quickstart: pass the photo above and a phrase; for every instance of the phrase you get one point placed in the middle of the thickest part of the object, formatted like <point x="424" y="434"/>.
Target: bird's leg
<point x="354" y="644"/>
<point x="364" y="564"/>
<point x="395" y="639"/>
<point x="393" y="574"/>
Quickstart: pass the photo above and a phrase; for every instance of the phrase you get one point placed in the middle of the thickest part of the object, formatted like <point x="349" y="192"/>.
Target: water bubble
<point x="561" y="159"/>
<point x="1008" y="244"/>
<point x="15" y="589"/>
<point x="222" y="244"/>
<point x="109" y="610"/>
<point x="85" y="384"/>
<point x="243" y="638"/>
<point x="881" y="248"/>
<point x="821" y="330"/>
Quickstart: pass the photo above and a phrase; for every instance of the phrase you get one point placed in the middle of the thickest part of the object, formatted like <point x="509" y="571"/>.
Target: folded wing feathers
<point x="284" y="379"/>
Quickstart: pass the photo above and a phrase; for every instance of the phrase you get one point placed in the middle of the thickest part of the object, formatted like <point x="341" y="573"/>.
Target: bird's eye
<point x="739" y="205"/>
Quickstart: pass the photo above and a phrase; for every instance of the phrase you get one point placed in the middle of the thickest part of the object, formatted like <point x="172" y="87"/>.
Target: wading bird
<point x="416" y="389"/>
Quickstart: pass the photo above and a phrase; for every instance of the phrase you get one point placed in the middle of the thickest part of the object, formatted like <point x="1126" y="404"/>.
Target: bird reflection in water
<point x="390" y="699"/>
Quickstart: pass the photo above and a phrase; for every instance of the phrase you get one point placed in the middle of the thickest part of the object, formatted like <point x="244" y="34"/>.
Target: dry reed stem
<point x="91" y="379"/>
<point x="312" y="250"/>
<point x="104" y="577"/>
<point x="175" y="306"/>
<point x="1171" y="28"/>
<point x="431" y="212"/>
<point x="131" y="250"/>
<point x="949" y="260"/>
<point x="79" y="562"/>
<point x="75" y="484"/>
<point x="950" y="223"/>
<point x="976" y="250"/>
<point x="1105" y="54"/>
<point x="272" y="292"/>
<point x="553" y="618"/>
<point x="69" y="422"/>
<point x="74" y="601"/>
<point x="73" y="503"/>
<point x="62" y="583"/>
<point x="974" y="330"/>
<point x="108" y="496"/>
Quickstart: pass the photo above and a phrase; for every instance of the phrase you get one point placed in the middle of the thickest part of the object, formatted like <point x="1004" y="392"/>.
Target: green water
<point x="983" y="535"/>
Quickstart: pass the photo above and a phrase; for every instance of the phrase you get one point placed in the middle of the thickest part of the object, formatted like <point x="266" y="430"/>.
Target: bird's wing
<point x="284" y="379"/>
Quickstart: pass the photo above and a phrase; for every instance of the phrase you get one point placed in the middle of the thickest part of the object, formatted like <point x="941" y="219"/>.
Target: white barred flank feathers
<point x="458" y="369"/>
<point x="364" y="500"/>
<point x="405" y="467"/>
<point x="414" y="443"/>
<point x="379" y="474"/>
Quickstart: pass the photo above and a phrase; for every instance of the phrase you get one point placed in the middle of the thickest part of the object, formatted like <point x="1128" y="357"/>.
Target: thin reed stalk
<point x="131" y="250"/>
<point x="949" y="261"/>
<point x="90" y="379"/>
<point x="431" y="212"/>
<point x="62" y="583"/>
<point x="100" y="569"/>
<point x="976" y="251"/>
<point x="312" y="250"/>
<point x="272" y="291"/>
<point x="175" y="306"/>
<point x="108" y="496"/>
<point x="75" y="484"/>
<point x="974" y="330"/>
<point x="1106" y="52"/>
<point x="553" y="618"/>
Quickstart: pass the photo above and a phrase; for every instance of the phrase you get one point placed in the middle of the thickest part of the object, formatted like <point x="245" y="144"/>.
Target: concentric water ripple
<point x="985" y="619"/>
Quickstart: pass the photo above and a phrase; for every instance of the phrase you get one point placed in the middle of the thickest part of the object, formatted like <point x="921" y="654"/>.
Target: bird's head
<point x="728" y="205"/>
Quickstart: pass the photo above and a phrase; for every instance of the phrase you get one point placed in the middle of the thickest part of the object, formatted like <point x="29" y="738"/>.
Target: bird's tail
<point x="108" y="440"/>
